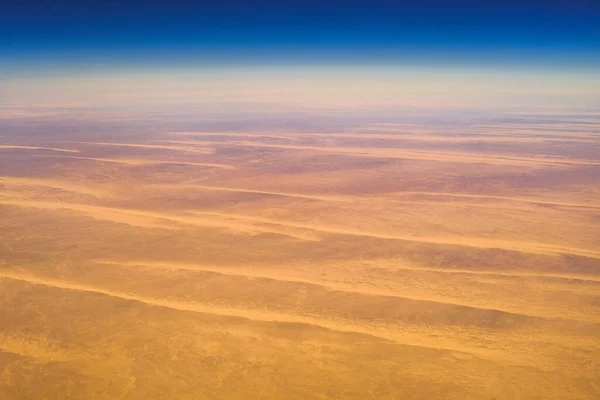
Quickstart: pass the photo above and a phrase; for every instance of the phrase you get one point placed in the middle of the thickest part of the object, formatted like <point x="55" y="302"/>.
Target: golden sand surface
<point x="382" y="261"/>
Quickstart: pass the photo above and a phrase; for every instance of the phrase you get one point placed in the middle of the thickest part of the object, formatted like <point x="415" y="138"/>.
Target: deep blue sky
<point x="552" y="32"/>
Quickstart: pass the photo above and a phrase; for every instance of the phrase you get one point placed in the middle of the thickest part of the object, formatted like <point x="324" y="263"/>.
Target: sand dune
<point x="189" y="149"/>
<point x="400" y="136"/>
<point x="286" y="275"/>
<point x="455" y="138"/>
<point x="408" y="338"/>
<point x="234" y="134"/>
<point x="149" y="219"/>
<point x="138" y="162"/>
<point x="192" y="307"/>
<point x="6" y="146"/>
<point x="55" y="184"/>
<point x="509" y="273"/>
<point x="509" y="131"/>
<point x="509" y="198"/>
<point x="128" y="217"/>
<point x="494" y="159"/>
<point x="536" y="248"/>
<point x="185" y="186"/>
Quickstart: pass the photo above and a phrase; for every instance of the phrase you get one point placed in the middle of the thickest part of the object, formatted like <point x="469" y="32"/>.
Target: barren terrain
<point x="374" y="261"/>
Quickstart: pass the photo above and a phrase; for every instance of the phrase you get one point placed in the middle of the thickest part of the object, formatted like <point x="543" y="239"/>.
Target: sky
<point x="350" y="52"/>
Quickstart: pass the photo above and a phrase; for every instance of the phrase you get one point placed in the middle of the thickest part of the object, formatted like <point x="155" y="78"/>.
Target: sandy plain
<point x="380" y="261"/>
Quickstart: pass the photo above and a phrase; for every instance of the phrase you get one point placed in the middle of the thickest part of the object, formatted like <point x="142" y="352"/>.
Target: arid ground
<point x="386" y="260"/>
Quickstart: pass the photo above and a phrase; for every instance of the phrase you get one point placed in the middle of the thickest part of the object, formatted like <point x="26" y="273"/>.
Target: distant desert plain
<point x="376" y="261"/>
